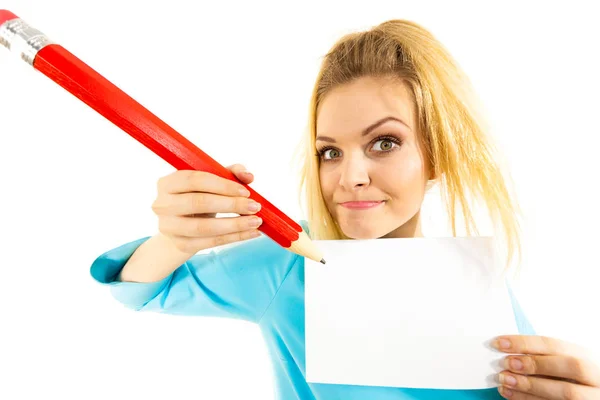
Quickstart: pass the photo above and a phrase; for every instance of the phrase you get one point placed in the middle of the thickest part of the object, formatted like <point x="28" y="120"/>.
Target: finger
<point x="241" y="173"/>
<point x="207" y="227"/>
<point x="564" y="367"/>
<point x="546" y="388"/>
<point x="192" y="245"/>
<point x="184" y="181"/>
<point x="541" y="345"/>
<point x="203" y="203"/>
<point x="513" y="394"/>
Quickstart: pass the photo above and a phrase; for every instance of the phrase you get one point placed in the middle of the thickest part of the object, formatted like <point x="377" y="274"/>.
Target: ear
<point x="430" y="184"/>
<point x="431" y="173"/>
<point x="432" y="178"/>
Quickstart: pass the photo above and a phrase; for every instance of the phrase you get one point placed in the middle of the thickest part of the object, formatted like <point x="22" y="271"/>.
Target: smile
<point x="361" y="205"/>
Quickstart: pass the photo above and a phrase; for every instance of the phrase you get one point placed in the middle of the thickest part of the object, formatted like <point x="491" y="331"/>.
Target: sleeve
<point x="239" y="281"/>
<point x="523" y="324"/>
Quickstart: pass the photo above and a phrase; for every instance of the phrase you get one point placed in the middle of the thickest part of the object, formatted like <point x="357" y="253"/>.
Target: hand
<point x="188" y="202"/>
<point x="546" y="368"/>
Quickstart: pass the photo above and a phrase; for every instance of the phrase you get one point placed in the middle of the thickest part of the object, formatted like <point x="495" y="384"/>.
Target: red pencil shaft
<point x="107" y="99"/>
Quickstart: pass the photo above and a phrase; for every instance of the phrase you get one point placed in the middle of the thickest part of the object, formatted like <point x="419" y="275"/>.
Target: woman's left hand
<point x="546" y="368"/>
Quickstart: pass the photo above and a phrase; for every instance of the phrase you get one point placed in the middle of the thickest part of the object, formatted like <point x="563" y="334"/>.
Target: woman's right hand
<point x="188" y="202"/>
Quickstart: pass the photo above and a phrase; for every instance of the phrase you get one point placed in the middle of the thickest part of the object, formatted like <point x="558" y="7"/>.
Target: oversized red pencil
<point x="79" y="79"/>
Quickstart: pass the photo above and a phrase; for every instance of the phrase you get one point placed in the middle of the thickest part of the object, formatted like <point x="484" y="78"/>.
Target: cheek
<point x="327" y="183"/>
<point x="403" y="177"/>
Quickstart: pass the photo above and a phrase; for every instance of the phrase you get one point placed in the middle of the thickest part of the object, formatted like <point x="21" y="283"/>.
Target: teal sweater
<point x="257" y="281"/>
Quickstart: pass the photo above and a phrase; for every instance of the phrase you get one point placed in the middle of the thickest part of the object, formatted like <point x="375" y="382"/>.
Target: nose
<point x="355" y="173"/>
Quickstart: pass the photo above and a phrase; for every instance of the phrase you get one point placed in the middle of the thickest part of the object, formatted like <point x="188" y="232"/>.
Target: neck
<point x="412" y="228"/>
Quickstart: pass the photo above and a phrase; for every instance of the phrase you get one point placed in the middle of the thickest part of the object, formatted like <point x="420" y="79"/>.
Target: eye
<point x="384" y="145"/>
<point x="329" y="153"/>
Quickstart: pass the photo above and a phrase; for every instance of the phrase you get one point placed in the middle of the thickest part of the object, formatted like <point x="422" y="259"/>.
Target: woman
<point x="390" y="115"/>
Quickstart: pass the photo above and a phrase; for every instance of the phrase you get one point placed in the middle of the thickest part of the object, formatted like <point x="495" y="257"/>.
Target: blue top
<point x="258" y="281"/>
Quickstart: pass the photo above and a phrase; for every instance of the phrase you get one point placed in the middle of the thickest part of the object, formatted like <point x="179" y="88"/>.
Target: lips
<point x="361" y="205"/>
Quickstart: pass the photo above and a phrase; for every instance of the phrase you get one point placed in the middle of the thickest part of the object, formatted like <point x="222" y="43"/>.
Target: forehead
<point x="351" y="107"/>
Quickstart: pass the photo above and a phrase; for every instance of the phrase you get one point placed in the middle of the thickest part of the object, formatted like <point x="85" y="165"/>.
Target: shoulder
<point x="304" y="224"/>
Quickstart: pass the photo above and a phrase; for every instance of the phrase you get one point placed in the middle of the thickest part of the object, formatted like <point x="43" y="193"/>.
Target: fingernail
<point x="501" y="343"/>
<point x="244" y="192"/>
<point x="255" y="234"/>
<point x="255" y="222"/>
<point x="505" y="392"/>
<point x="254" y="206"/>
<point x="507" y="380"/>
<point x="516" y="364"/>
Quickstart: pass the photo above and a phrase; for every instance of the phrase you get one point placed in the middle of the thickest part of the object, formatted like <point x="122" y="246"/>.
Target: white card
<point x="414" y="312"/>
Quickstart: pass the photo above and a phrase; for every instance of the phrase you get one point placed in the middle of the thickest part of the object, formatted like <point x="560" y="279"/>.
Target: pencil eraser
<point x="6" y="15"/>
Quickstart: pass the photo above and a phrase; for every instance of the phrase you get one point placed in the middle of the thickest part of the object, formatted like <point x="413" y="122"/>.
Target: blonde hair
<point x="452" y="127"/>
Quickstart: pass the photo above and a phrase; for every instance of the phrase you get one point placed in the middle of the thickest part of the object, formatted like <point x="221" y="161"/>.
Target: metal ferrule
<point x="22" y="39"/>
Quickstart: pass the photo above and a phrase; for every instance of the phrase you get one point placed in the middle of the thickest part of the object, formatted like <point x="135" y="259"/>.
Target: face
<point x="373" y="168"/>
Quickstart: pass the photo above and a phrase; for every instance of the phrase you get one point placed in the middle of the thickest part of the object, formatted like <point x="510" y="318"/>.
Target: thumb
<point x="241" y="173"/>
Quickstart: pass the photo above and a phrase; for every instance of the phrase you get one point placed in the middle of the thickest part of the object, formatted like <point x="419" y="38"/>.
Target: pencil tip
<point x="322" y="261"/>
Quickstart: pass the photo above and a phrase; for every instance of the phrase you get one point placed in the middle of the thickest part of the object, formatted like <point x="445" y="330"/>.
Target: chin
<point x="363" y="230"/>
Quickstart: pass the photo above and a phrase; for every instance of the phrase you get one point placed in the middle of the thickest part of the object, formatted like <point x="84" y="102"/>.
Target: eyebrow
<point x="367" y="130"/>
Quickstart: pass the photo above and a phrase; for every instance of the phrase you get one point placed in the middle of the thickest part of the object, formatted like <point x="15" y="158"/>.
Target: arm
<point x="523" y="324"/>
<point x="154" y="260"/>
<point x="238" y="281"/>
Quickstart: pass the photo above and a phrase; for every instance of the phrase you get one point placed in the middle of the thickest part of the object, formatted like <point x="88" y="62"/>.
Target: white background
<point x="236" y="79"/>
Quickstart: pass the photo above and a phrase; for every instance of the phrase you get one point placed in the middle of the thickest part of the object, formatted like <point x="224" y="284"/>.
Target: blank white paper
<point x="414" y="312"/>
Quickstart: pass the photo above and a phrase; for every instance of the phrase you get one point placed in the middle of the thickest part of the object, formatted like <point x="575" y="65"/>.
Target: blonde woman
<point x="391" y="113"/>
